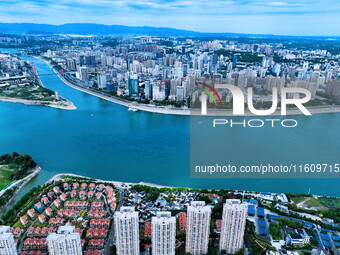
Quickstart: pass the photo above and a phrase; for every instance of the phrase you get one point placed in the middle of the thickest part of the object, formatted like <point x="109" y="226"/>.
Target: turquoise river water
<point x="103" y="140"/>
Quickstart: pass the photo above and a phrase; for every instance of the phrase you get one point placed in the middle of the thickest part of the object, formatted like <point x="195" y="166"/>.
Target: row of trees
<point x="297" y="216"/>
<point x="275" y="231"/>
<point x="10" y="216"/>
<point x="7" y="196"/>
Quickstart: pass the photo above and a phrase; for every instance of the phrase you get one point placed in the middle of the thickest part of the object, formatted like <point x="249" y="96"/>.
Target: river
<point x="103" y="140"/>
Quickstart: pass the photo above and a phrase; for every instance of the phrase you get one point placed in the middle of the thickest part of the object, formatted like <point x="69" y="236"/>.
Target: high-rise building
<point x="87" y="60"/>
<point x="158" y="93"/>
<point x="233" y="226"/>
<point x="7" y="243"/>
<point x="180" y="93"/>
<point x="71" y="64"/>
<point x="65" y="242"/>
<point x="148" y="90"/>
<point x="110" y="86"/>
<point x="276" y="69"/>
<point x="185" y="70"/>
<point x="133" y="84"/>
<point x="101" y="81"/>
<point x="234" y="61"/>
<point x="84" y="73"/>
<point x="126" y="224"/>
<point x="198" y="228"/>
<point x="163" y="234"/>
<point x="82" y="60"/>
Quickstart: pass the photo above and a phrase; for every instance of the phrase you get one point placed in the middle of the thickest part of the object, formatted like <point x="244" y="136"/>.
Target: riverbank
<point x="180" y="111"/>
<point x="33" y="93"/>
<point x="68" y="104"/>
<point x="21" y="183"/>
<point x="116" y="100"/>
<point x="124" y="185"/>
<point x="118" y="184"/>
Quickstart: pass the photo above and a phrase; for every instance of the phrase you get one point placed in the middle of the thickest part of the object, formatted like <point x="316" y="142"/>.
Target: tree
<point x="275" y="230"/>
<point x="314" y="241"/>
<point x="113" y="250"/>
<point x="240" y="252"/>
<point x="206" y="199"/>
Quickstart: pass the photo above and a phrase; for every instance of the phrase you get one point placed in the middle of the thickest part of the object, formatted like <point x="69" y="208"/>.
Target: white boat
<point x="132" y="109"/>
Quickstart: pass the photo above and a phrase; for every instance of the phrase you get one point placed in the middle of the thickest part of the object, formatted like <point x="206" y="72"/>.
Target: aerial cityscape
<point x="160" y="74"/>
<point x="168" y="127"/>
<point x="72" y="214"/>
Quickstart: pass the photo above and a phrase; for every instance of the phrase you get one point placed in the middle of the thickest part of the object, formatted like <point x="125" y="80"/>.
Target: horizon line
<point x="164" y="27"/>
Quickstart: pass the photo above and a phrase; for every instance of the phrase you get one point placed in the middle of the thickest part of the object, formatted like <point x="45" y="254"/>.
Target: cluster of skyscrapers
<point x="163" y="235"/>
<point x="163" y="238"/>
<point x="146" y="68"/>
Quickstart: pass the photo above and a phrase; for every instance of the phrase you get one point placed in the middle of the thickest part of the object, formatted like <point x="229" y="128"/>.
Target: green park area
<point x="28" y="90"/>
<point x="14" y="167"/>
<point x="6" y="172"/>
<point x="310" y="201"/>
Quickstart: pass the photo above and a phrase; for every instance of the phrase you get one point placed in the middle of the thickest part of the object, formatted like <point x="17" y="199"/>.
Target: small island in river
<point x="19" y="84"/>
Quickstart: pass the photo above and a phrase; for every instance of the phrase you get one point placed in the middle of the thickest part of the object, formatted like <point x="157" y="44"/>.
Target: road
<point x="24" y="235"/>
<point x="110" y="241"/>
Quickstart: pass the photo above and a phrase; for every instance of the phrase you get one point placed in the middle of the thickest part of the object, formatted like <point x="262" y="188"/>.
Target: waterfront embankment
<point x="118" y="184"/>
<point x="19" y="185"/>
<point x="60" y="103"/>
<point x="117" y="100"/>
<point x="124" y="185"/>
<point x="180" y="111"/>
<point x="67" y="105"/>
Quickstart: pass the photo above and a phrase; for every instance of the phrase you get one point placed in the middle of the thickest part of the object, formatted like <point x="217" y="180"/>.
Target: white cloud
<point x="277" y="4"/>
<point x="243" y="16"/>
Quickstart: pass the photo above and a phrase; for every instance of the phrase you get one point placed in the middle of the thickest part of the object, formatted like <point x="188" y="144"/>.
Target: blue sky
<point x="286" y="17"/>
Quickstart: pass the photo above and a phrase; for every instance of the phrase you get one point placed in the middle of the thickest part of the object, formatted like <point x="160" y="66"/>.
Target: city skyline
<point x="251" y="17"/>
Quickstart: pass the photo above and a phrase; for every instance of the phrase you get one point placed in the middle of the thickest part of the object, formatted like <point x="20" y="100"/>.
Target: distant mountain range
<point x="99" y="29"/>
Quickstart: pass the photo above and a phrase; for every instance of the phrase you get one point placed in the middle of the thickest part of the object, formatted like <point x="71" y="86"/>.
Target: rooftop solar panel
<point x="262" y="223"/>
<point x="327" y="244"/>
<point x="336" y="238"/>
<point x="251" y="210"/>
<point x="254" y="201"/>
<point x="263" y="231"/>
<point x="325" y="237"/>
<point x="260" y="211"/>
<point x="318" y="239"/>
<point x="273" y="217"/>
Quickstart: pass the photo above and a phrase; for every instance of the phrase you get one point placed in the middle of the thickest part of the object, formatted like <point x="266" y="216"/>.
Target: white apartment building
<point x="233" y="225"/>
<point x="163" y="234"/>
<point x="101" y="81"/>
<point x="157" y="93"/>
<point x="7" y="243"/>
<point x="126" y="224"/>
<point x="83" y="73"/>
<point x="198" y="228"/>
<point x="65" y="242"/>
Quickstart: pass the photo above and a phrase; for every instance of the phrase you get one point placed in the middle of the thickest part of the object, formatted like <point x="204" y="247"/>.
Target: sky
<point x="279" y="17"/>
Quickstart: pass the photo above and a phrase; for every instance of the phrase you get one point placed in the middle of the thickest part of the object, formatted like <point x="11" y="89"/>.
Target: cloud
<point x="277" y="4"/>
<point x="246" y="16"/>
